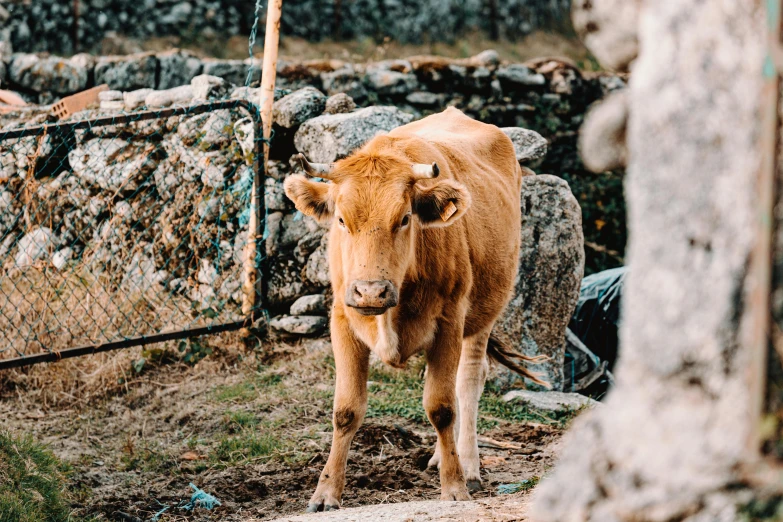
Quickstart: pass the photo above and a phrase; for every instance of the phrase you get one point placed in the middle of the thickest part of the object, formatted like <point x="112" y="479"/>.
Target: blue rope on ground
<point x="157" y="515"/>
<point x="199" y="499"/>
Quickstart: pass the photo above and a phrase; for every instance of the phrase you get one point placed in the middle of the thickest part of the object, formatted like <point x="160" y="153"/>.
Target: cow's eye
<point x="405" y="221"/>
<point x="341" y="222"/>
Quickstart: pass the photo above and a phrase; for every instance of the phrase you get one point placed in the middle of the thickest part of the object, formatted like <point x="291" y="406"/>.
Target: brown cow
<point x="423" y="249"/>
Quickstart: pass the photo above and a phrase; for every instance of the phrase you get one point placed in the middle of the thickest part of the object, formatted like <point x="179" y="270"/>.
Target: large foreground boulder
<point x="680" y="436"/>
<point x="551" y="265"/>
<point x="333" y="136"/>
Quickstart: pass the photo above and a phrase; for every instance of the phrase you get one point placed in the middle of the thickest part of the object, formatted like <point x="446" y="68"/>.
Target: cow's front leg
<point x="440" y="403"/>
<point x="351" y="359"/>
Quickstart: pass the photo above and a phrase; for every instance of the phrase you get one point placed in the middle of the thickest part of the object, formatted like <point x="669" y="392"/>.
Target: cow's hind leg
<point x="351" y="360"/>
<point x="440" y="403"/>
<point x="472" y="373"/>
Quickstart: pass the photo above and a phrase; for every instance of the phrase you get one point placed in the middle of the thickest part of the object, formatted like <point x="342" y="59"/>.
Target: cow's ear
<point x="441" y="204"/>
<point x="312" y="198"/>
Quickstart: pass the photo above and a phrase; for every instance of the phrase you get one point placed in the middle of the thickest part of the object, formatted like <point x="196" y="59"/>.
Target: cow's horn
<point x="424" y="171"/>
<point x="316" y="170"/>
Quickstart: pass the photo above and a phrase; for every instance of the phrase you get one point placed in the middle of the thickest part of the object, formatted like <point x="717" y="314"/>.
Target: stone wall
<point x="549" y="97"/>
<point x="48" y="25"/>
<point x="123" y="201"/>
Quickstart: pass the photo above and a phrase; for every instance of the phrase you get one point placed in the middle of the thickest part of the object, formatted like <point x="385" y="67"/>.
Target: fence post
<point x="252" y="286"/>
<point x="760" y="271"/>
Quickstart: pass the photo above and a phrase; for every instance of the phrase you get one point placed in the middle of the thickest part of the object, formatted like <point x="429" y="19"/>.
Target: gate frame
<point x="257" y="211"/>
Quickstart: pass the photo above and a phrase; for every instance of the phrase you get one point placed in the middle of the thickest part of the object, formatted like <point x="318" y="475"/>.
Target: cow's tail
<point x="514" y="361"/>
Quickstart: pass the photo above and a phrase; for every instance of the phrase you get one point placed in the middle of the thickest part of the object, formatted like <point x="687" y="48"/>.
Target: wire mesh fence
<point x="126" y="229"/>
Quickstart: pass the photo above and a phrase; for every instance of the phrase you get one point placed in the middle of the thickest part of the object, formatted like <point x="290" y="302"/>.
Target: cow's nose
<point x="371" y="297"/>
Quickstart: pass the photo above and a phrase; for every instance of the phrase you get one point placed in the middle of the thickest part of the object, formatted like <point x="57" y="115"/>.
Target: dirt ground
<point x="254" y="431"/>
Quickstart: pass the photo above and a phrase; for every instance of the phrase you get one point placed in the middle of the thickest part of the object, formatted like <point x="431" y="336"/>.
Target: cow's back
<point x="481" y="157"/>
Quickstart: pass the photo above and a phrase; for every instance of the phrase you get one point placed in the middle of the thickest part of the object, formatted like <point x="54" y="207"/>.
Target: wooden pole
<point x="252" y="286"/>
<point x="760" y="270"/>
<point x="269" y="71"/>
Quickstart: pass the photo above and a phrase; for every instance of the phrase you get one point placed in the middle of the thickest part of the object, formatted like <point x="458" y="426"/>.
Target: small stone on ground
<point x="550" y="401"/>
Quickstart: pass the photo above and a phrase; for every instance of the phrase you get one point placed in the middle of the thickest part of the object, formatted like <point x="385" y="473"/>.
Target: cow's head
<point x="377" y="204"/>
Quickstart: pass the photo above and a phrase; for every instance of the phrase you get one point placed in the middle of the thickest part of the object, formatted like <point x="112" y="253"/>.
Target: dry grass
<point x="42" y="309"/>
<point x="535" y="45"/>
<point x="81" y="380"/>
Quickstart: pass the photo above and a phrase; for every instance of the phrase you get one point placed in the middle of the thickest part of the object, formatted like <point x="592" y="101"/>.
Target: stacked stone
<point x="187" y="166"/>
<point x="547" y="96"/>
<point x="47" y="25"/>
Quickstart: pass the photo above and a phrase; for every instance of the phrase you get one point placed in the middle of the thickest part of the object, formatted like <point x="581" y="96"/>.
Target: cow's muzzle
<point x="371" y="297"/>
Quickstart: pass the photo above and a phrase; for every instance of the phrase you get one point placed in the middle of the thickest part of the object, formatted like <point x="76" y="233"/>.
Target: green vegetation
<point x="238" y="420"/>
<point x="399" y="393"/>
<point x="248" y="390"/>
<point x="32" y="482"/>
<point x="762" y="510"/>
<point x="272" y="418"/>
<point x="492" y="410"/>
<point x="249" y="444"/>
<point x="147" y="457"/>
<point x="244" y="391"/>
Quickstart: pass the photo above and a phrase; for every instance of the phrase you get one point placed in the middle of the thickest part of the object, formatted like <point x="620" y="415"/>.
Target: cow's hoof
<point x="315" y="507"/>
<point x="434" y="462"/>
<point x="455" y="493"/>
<point x="474" y="485"/>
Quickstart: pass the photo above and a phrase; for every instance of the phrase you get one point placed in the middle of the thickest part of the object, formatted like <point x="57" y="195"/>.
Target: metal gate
<point x="129" y="230"/>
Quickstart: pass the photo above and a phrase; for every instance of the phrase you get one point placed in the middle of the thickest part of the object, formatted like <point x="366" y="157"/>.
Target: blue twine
<point x="157" y="515"/>
<point x="200" y="498"/>
<point x="251" y="43"/>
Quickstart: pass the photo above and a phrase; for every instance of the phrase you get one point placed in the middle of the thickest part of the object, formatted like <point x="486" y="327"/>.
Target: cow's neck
<point x="400" y="332"/>
<point x="386" y="344"/>
<point x="380" y="335"/>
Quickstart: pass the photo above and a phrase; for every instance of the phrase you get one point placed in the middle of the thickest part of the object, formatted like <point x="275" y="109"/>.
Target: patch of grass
<point x="386" y="400"/>
<point x="244" y="391"/>
<point x="269" y="379"/>
<point x="238" y="420"/>
<point x="247" y="445"/>
<point x="32" y="482"/>
<point x="247" y="390"/>
<point x="146" y="458"/>
<point x="397" y="392"/>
